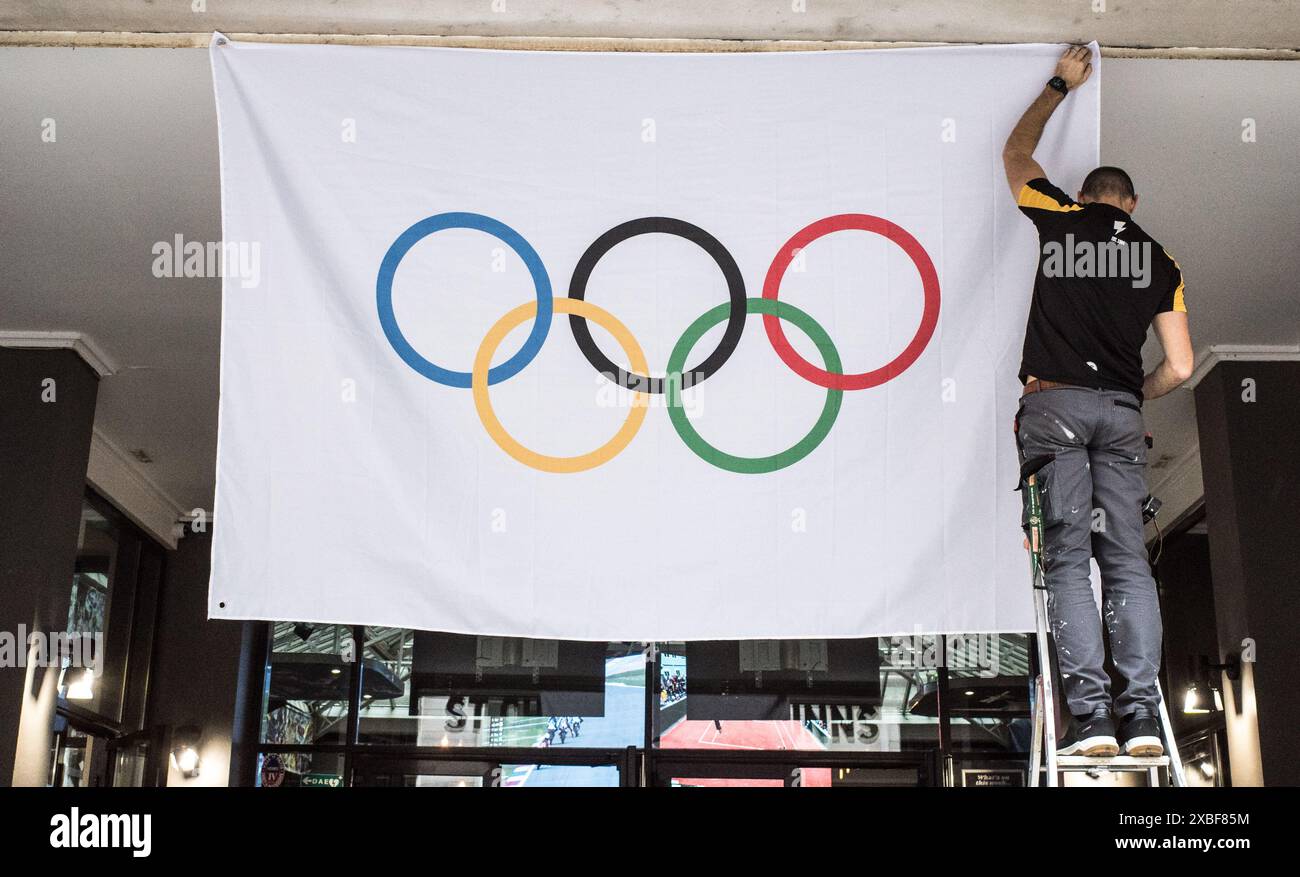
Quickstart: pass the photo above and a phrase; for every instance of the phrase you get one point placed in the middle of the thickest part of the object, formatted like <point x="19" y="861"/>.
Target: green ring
<point x="752" y="465"/>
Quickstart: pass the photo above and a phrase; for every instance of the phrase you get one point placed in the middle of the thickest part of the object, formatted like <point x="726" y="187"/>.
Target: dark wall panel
<point x="1248" y="416"/>
<point x="44" y="450"/>
<point x="195" y="677"/>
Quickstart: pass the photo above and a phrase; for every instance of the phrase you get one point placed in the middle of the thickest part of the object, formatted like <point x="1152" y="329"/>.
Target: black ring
<point x="706" y="242"/>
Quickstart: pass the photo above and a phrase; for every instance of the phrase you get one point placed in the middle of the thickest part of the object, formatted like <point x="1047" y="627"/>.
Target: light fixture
<point x="1194" y="700"/>
<point x="83" y="687"/>
<point x="1207" y="769"/>
<point x="1203" y="695"/>
<point x="185" y="751"/>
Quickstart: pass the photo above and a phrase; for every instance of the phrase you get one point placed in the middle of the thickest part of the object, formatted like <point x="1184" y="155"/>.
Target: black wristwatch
<point x="1058" y="83"/>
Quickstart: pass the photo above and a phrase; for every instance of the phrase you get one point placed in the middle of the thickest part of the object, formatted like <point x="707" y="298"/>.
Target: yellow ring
<point x="507" y="443"/>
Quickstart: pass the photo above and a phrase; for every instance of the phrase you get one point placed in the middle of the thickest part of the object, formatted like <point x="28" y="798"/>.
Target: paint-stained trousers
<point x="1092" y="496"/>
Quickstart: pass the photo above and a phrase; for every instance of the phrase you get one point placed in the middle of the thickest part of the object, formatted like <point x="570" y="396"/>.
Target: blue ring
<point x="507" y="235"/>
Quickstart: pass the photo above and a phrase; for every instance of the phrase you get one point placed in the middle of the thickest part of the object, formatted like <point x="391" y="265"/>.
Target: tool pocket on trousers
<point x="1046" y="508"/>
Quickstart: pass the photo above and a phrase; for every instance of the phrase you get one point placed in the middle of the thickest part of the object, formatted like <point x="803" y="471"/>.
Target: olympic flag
<point x="626" y="346"/>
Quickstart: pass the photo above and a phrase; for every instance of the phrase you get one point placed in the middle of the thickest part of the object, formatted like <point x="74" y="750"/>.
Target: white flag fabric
<point x="626" y="346"/>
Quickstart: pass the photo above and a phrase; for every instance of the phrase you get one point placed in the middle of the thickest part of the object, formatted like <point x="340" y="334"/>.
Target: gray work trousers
<point x="1092" y="496"/>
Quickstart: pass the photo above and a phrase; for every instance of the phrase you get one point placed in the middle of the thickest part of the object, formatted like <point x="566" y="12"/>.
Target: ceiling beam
<point x="1269" y="24"/>
<point x="198" y="40"/>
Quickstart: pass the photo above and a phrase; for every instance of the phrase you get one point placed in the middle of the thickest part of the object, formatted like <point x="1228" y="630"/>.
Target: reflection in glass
<point x="472" y="691"/>
<point x="129" y="765"/>
<point x="781" y="694"/>
<point x="877" y="694"/>
<point x="559" y="775"/>
<point x="307" y="685"/>
<point x="300" y="769"/>
<point x="81" y="657"/>
<point x="428" y="773"/>
<point x="810" y="777"/>
<point x="988" y="692"/>
<point x="459" y="692"/>
<point x="79" y="759"/>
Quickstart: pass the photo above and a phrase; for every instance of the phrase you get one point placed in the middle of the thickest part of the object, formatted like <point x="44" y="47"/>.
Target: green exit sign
<point x="322" y="780"/>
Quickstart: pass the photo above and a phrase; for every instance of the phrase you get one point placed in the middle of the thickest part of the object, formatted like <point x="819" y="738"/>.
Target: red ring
<point x="929" y="314"/>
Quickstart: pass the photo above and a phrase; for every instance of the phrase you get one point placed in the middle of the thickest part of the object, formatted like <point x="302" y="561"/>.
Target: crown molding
<point x="1240" y="353"/>
<point x="79" y="342"/>
<point x="119" y="476"/>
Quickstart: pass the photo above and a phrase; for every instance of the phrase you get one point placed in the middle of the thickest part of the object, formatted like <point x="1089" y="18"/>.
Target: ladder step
<point x="1118" y="762"/>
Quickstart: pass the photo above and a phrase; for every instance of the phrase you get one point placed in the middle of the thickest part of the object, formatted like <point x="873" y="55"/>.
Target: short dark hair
<point x="1105" y="181"/>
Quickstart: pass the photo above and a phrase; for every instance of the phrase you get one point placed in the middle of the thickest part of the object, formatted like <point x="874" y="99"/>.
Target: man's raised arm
<point x="1074" y="68"/>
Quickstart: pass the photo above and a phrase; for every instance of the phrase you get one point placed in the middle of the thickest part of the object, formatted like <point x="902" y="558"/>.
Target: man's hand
<point x="1075" y="66"/>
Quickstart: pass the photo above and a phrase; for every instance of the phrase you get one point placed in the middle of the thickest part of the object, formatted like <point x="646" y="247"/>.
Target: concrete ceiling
<point x="1238" y="23"/>
<point x="135" y="162"/>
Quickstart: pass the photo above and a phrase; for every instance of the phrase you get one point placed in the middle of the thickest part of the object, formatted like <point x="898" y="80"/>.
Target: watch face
<point x="1057" y="83"/>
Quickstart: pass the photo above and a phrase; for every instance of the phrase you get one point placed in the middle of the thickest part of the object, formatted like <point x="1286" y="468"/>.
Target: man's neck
<point x="1109" y="202"/>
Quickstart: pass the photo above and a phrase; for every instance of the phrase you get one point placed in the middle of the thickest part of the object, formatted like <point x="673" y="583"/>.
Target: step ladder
<point x="1042" y="750"/>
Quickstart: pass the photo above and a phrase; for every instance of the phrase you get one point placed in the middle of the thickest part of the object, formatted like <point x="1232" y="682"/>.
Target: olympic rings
<point x="734" y="311"/>
<point x="753" y="465"/>
<point x="507" y="442"/>
<point x="929" y="312"/>
<point x="507" y="235"/>
<point x="692" y="233"/>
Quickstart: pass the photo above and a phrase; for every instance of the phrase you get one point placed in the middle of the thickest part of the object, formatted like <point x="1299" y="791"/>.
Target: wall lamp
<point x="185" y="751"/>
<point x="82" y="687"/>
<point x="1203" y="694"/>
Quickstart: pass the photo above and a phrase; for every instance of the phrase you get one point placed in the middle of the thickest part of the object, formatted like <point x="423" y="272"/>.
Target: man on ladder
<point x="1101" y="282"/>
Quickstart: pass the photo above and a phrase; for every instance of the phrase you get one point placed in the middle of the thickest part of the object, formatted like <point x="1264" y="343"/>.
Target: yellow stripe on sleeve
<point x="1031" y="197"/>
<point x="1179" y="303"/>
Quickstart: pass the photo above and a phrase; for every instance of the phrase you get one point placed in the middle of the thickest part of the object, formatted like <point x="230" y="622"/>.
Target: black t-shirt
<point x="1101" y="280"/>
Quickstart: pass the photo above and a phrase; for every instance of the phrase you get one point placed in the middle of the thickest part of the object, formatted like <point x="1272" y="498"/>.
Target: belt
<point x="1037" y="386"/>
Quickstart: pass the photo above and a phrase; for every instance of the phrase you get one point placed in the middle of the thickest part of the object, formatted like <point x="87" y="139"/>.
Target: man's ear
<point x="1078" y="197"/>
<point x="1135" y="204"/>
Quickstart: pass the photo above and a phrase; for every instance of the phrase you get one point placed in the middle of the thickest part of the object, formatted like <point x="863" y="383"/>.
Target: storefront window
<point x="104" y="651"/>
<point x="306" y="695"/>
<point x="989" y="693"/>
<point x="453" y="690"/>
<point x="433" y="707"/>
<point x="866" y="695"/>
<point x="83" y="681"/>
<point x="480" y="773"/>
<point x="130" y="764"/>
<point x="79" y="759"/>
